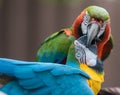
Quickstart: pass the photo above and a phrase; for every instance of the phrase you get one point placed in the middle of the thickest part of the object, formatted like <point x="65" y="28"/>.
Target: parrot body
<point x="36" y="78"/>
<point x="94" y="22"/>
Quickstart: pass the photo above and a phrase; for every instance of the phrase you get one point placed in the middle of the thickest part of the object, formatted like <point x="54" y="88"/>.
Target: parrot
<point x="79" y="52"/>
<point x="43" y="78"/>
<point x="55" y="47"/>
<point x="93" y="25"/>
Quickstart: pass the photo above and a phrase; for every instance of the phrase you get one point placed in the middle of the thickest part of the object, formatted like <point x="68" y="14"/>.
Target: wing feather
<point x="37" y="78"/>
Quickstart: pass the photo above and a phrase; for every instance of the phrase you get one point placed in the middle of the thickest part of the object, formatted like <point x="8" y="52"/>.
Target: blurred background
<point x="24" y="24"/>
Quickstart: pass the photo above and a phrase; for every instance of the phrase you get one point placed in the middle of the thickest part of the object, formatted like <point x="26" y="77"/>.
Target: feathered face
<point x="94" y="28"/>
<point x="94" y="22"/>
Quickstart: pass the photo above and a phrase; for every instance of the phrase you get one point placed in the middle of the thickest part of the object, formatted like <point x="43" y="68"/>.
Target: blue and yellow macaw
<point x="81" y="48"/>
<point x="94" y="22"/>
<point x="38" y="78"/>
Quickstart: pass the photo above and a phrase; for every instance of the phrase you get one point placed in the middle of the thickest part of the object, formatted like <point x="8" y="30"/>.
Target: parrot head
<point x="94" y="21"/>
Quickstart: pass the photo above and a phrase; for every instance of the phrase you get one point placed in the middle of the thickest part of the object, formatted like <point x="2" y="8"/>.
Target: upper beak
<point x="93" y="29"/>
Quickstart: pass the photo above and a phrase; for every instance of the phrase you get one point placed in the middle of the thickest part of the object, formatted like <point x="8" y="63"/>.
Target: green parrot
<point x="55" y="48"/>
<point x="93" y="24"/>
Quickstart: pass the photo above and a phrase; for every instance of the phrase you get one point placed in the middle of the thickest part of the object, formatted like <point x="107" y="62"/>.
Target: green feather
<point x="55" y="47"/>
<point x="98" y="12"/>
<point x="71" y="59"/>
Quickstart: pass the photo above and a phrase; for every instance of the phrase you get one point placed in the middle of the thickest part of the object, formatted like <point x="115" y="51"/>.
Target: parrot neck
<point x="97" y="78"/>
<point x="93" y="74"/>
<point x="71" y="60"/>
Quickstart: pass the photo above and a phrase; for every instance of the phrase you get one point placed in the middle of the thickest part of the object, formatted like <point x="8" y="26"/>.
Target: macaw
<point x="84" y="54"/>
<point x="55" y="48"/>
<point x="93" y="24"/>
<point x="38" y="78"/>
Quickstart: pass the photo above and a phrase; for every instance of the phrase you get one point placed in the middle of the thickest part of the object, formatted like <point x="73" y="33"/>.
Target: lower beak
<point x="93" y="29"/>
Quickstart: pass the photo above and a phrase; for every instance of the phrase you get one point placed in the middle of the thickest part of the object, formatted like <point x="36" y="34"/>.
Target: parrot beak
<point x="93" y="29"/>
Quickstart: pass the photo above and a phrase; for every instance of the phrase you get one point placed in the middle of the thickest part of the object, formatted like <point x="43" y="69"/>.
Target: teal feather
<point x="37" y="78"/>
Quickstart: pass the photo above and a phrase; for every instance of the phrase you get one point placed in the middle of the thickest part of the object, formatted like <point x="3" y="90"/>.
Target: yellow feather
<point x="96" y="78"/>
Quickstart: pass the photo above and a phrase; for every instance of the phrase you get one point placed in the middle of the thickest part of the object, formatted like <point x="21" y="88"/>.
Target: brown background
<point x="25" y="23"/>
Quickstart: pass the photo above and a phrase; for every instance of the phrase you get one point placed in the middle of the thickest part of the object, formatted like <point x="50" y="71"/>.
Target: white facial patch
<point x="84" y="55"/>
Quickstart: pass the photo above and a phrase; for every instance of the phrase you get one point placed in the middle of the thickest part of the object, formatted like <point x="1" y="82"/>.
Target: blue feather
<point x="37" y="78"/>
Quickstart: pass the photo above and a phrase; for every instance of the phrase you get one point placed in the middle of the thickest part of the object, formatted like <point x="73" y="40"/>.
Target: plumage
<point x="36" y="78"/>
<point x="55" y="48"/>
<point x="93" y="22"/>
<point x="80" y="48"/>
<point x="107" y="48"/>
<point x="99" y="16"/>
<point x="96" y="72"/>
